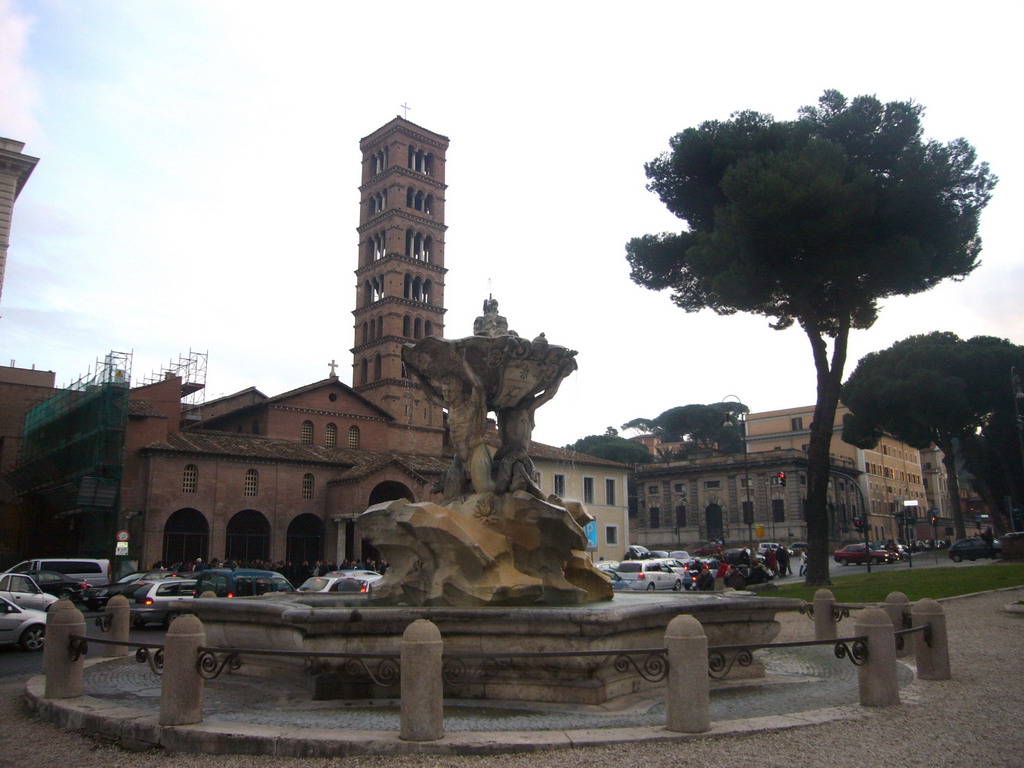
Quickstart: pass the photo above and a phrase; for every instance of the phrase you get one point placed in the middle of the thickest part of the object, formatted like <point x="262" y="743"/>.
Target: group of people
<point x="296" y="573"/>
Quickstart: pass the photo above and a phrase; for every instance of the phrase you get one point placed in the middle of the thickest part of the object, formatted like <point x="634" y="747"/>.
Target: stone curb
<point x="135" y="731"/>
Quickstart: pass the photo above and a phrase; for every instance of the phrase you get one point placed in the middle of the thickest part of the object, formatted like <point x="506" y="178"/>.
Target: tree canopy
<point x="936" y="388"/>
<point x="612" y="447"/>
<point x="813" y="221"/>
<point x="715" y="426"/>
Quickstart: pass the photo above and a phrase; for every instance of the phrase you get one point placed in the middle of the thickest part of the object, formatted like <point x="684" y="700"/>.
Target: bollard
<point x="118" y="610"/>
<point x="932" y="658"/>
<point x="63" y="676"/>
<point x="687" y="698"/>
<point x="877" y="680"/>
<point x="824" y="624"/>
<point x="897" y="606"/>
<point x="422" y="686"/>
<point x="181" y="688"/>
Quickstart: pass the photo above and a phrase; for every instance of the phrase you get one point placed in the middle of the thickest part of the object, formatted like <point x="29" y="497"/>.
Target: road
<point x="15" y="662"/>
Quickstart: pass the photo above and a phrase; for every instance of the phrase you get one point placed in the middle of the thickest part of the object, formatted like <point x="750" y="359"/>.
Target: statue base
<point x="488" y="549"/>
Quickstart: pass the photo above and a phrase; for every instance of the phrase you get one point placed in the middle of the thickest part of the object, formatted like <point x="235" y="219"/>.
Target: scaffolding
<point x="191" y="368"/>
<point x="76" y="433"/>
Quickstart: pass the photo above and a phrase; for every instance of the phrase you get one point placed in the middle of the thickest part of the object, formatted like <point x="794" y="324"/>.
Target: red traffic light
<point x="782" y="477"/>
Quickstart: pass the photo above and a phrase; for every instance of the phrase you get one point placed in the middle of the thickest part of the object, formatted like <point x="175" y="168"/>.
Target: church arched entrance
<point x="713" y="516"/>
<point x="248" y="537"/>
<point x="305" y="539"/>
<point x="186" y="537"/>
<point x="389" y="491"/>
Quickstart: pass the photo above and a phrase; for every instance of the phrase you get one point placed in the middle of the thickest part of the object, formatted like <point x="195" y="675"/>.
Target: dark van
<point x="241" y="582"/>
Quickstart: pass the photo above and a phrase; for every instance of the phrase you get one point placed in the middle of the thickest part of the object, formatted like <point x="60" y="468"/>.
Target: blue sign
<point x="591" y="530"/>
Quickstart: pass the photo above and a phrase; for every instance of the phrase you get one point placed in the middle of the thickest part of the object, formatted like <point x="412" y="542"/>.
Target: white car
<point x="676" y="566"/>
<point x="608" y="565"/>
<point x="334" y="582"/>
<point x="649" y="575"/>
<point x="21" y="626"/>
<point x="681" y="554"/>
<point x="153" y="600"/>
<point x="21" y="589"/>
<point x="355" y="573"/>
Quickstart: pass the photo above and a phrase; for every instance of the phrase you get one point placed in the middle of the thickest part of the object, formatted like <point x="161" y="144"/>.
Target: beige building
<point x="889" y="476"/>
<point x="15" y="168"/>
<point x="600" y="484"/>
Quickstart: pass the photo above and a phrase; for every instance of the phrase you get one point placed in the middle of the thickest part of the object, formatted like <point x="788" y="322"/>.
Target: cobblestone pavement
<point x="976" y="719"/>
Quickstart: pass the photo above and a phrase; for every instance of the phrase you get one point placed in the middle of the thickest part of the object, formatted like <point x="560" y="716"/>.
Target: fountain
<point x="497" y="565"/>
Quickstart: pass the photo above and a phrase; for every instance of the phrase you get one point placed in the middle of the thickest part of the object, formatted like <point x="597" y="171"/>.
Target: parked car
<point x="363" y="575"/>
<point x="636" y="552"/>
<point x="22" y="590"/>
<point x="797" y="547"/>
<point x="21" y="626"/>
<point x="153" y="599"/>
<point x="857" y="554"/>
<point x="681" y="554"/>
<point x="241" y="582"/>
<point x="608" y="565"/>
<point x="93" y="571"/>
<point x="711" y="549"/>
<point x="738" y="556"/>
<point x="334" y="582"/>
<point x="619" y="584"/>
<point x="649" y="575"/>
<point x="59" y="585"/>
<point x="972" y="548"/>
<point x="95" y="598"/>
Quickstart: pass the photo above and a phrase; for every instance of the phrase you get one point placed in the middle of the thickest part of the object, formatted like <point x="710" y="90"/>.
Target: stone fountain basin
<point x="346" y="624"/>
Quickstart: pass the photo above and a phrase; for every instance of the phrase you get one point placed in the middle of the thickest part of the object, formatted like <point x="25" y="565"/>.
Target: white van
<point x="96" y="572"/>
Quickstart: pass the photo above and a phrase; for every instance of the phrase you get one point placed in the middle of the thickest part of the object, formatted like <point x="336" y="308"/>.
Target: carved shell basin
<point x="512" y="369"/>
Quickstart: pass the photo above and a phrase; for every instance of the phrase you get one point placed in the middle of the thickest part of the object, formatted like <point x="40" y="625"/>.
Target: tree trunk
<point x="945" y="445"/>
<point x="829" y="382"/>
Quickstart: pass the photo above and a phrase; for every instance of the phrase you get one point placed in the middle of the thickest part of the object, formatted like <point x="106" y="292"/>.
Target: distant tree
<point x="813" y="221"/>
<point x="613" y="448"/>
<point x="713" y="426"/>
<point x="936" y="388"/>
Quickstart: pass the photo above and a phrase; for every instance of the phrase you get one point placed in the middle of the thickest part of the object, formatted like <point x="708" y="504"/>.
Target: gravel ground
<point x="975" y="719"/>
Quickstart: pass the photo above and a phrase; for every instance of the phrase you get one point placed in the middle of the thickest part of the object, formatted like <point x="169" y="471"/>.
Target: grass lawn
<point x="915" y="583"/>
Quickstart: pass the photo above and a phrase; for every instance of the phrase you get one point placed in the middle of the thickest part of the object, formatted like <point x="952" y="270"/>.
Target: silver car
<point x="22" y="590"/>
<point x="153" y="600"/>
<point x="22" y="626"/>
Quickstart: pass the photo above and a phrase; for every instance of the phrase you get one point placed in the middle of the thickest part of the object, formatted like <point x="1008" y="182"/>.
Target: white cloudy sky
<point x="197" y="186"/>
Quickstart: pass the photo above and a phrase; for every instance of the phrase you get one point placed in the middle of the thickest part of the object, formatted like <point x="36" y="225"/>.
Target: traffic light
<point x="856" y="523"/>
<point x="782" y="477"/>
<point x="935" y="519"/>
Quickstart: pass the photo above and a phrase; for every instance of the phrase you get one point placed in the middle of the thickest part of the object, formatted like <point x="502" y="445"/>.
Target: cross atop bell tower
<point x="400" y="274"/>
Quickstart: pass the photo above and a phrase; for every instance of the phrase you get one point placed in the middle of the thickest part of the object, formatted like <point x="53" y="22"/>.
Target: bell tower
<point x="400" y="273"/>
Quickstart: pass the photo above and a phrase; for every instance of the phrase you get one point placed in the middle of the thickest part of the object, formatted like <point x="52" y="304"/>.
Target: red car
<point x="710" y="550"/>
<point x="854" y="553"/>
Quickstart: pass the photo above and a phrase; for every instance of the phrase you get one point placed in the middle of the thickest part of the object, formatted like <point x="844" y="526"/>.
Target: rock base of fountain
<point x="488" y="549"/>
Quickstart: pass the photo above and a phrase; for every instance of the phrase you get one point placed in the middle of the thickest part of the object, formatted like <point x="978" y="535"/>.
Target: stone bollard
<point x="932" y="660"/>
<point x="181" y="690"/>
<point x="877" y="680"/>
<point x="824" y="624"/>
<point x="719" y="585"/>
<point x="896" y="607"/>
<point x="118" y="610"/>
<point x="687" y="698"/>
<point x="422" y="686"/>
<point x="63" y="676"/>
